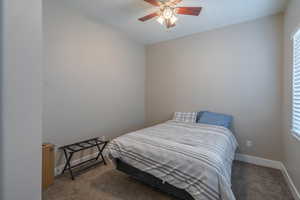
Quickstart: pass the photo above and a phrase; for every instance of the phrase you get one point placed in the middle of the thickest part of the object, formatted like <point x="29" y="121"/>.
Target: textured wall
<point x="234" y="70"/>
<point x="94" y="78"/>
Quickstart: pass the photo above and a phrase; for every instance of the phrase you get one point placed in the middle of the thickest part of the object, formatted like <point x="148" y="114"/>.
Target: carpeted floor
<point x="249" y="182"/>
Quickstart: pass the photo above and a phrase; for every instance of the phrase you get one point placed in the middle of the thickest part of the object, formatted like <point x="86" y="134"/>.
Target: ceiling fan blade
<point x="175" y="2"/>
<point x="153" y="2"/>
<point x="195" y="11"/>
<point x="147" y="17"/>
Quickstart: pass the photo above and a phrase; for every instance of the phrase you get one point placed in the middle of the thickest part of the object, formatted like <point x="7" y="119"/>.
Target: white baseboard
<point x="272" y="164"/>
<point x="290" y="182"/>
<point x="259" y="161"/>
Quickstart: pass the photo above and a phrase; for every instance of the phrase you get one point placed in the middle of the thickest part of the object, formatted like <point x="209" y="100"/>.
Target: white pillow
<point x="188" y="117"/>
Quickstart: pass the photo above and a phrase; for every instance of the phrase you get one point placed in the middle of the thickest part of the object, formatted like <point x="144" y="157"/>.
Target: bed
<point x="191" y="161"/>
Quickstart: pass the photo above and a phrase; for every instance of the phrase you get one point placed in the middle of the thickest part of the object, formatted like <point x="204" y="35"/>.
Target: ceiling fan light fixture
<point x="168" y="12"/>
<point x="167" y="16"/>
<point x="173" y="19"/>
<point x="160" y="20"/>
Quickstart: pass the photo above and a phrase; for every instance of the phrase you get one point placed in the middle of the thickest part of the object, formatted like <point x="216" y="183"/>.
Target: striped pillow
<point x="188" y="117"/>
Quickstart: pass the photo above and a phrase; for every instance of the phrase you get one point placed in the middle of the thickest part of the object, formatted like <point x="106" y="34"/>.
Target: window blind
<point x="296" y="84"/>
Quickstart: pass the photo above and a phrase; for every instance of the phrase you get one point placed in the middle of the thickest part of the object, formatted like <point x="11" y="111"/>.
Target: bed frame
<point x="152" y="181"/>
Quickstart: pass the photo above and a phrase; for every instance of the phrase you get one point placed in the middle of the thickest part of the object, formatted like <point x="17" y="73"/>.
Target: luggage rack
<point x="71" y="149"/>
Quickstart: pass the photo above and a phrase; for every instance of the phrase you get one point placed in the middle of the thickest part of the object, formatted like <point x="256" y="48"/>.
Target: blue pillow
<point x="216" y="119"/>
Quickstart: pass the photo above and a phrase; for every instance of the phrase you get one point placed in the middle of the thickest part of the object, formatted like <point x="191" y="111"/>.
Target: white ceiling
<point x="123" y="15"/>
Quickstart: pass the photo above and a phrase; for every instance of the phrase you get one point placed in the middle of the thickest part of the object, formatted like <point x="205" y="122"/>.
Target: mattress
<point x="193" y="157"/>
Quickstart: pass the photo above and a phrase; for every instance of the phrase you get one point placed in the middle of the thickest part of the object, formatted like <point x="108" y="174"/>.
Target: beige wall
<point x="291" y="144"/>
<point x="234" y="70"/>
<point x="20" y="99"/>
<point x="94" y="78"/>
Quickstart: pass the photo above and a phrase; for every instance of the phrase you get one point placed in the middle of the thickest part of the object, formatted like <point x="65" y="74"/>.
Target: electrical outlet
<point x="249" y="143"/>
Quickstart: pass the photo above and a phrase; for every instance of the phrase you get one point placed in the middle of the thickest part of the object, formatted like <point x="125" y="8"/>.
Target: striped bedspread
<point x="194" y="157"/>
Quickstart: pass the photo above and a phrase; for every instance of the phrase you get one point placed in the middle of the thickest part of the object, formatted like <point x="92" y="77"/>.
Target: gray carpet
<point x="249" y="182"/>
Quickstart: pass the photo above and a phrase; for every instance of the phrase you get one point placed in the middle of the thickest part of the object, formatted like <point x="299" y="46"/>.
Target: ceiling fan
<point x="168" y="11"/>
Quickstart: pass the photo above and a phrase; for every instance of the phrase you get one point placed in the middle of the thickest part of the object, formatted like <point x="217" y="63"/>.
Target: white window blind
<point x="296" y="85"/>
